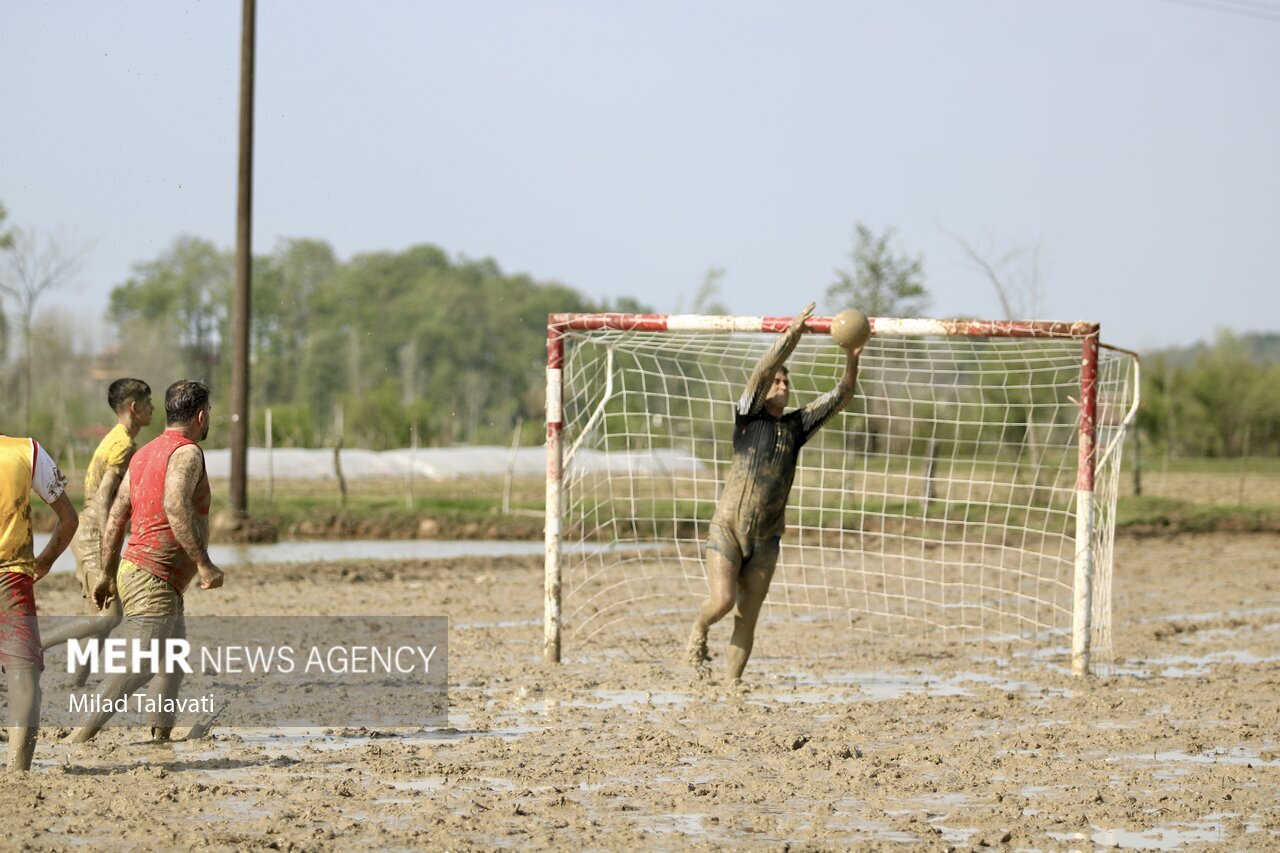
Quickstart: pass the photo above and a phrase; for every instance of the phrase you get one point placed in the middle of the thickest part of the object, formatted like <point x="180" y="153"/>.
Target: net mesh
<point x="941" y="501"/>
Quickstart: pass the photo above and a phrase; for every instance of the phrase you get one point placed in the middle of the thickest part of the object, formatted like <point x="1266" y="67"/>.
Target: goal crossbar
<point x="969" y="488"/>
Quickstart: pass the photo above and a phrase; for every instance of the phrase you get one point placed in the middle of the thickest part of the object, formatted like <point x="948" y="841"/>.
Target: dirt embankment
<point x="343" y="524"/>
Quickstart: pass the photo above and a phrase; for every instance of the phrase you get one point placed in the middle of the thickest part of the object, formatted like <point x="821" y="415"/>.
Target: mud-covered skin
<point x="742" y="550"/>
<point x="765" y="453"/>
<point x="766" y="447"/>
<point x="102" y="479"/>
<point x="169" y="499"/>
<point x="166" y="499"/>
<point x="23" y="661"/>
<point x="26" y="468"/>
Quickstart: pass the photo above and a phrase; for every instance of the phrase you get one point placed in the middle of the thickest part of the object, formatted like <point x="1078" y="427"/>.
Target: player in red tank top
<point x="153" y="545"/>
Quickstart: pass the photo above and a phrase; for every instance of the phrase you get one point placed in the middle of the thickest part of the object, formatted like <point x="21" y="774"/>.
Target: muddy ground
<point x="837" y="743"/>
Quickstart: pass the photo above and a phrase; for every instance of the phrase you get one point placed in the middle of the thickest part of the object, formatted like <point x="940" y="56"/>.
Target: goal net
<point x="968" y="491"/>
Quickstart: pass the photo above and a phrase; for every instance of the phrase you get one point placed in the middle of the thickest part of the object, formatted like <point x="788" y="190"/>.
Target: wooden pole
<point x="1244" y="466"/>
<point x="511" y="467"/>
<point x="271" y="468"/>
<point x="337" y="455"/>
<point x="413" y="458"/>
<point x="244" y="264"/>
<point x="1137" y="461"/>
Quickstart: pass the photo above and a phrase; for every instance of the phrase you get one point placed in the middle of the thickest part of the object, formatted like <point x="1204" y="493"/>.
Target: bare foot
<point x="696" y="653"/>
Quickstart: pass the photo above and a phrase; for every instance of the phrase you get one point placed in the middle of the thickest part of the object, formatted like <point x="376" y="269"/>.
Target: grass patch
<point x="474" y="507"/>
<point x="1154" y="465"/>
<point x="1170" y="515"/>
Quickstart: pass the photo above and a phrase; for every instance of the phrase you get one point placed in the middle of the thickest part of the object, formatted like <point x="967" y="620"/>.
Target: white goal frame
<point x="1089" y="455"/>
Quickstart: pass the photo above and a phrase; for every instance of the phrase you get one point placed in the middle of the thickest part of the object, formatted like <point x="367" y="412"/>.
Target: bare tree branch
<point x="29" y="268"/>
<point x="1015" y="276"/>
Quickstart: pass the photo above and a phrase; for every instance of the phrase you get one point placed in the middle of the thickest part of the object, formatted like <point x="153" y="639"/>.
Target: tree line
<point x="1213" y="400"/>
<point x="371" y="351"/>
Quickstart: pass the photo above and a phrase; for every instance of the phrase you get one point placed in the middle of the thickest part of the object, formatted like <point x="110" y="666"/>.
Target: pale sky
<point x="623" y="148"/>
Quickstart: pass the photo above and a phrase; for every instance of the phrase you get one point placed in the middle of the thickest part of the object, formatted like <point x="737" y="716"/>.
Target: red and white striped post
<point x="1082" y="588"/>
<point x="555" y="470"/>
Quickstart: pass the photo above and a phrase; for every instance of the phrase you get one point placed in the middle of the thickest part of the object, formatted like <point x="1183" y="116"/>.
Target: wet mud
<point x="835" y="743"/>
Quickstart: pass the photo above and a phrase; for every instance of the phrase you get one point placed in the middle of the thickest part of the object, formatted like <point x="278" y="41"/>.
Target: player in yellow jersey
<point x="25" y="467"/>
<point x="130" y="399"/>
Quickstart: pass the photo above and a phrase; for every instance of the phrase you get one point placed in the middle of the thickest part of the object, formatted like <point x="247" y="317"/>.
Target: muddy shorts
<point x="19" y="628"/>
<point x="144" y="594"/>
<point x="740" y="549"/>
<point x="87" y="548"/>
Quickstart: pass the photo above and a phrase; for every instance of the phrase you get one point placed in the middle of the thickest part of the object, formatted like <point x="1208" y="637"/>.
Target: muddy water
<point x="322" y="550"/>
<point x="836" y="743"/>
<point x="300" y="551"/>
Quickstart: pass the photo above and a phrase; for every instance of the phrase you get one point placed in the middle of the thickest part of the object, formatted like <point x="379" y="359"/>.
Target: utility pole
<point x="244" y="268"/>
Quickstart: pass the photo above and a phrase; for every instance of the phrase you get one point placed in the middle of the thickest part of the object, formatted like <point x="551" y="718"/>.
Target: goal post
<point x="968" y="490"/>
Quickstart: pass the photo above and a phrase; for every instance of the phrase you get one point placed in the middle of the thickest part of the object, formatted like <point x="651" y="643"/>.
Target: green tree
<point x="879" y="282"/>
<point x="6" y="240"/>
<point x="452" y="348"/>
<point x="284" y="293"/>
<point x="1225" y="392"/>
<point x="186" y="294"/>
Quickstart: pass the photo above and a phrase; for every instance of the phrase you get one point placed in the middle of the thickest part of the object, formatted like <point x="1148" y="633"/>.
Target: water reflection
<point x="307" y="551"/>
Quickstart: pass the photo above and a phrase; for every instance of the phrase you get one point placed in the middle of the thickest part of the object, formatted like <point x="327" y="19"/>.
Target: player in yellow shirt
<point x="25" y="467"/>
<point x="130" y="399"/>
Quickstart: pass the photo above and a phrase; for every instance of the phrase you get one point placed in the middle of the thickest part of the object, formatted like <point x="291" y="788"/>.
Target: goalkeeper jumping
<point x="742" y="548"/>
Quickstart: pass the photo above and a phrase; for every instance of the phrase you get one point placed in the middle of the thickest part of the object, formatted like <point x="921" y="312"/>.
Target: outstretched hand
<point x="799" y="319"/>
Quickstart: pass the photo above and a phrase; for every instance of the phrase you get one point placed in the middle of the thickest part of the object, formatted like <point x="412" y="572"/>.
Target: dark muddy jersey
<point x="765" y="452"/>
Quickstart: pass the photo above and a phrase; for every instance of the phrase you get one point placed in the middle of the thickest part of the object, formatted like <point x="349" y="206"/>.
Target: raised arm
<point x="820" y="410"/>
<point x="186" y="470"/>
<point x="762" y="377"/>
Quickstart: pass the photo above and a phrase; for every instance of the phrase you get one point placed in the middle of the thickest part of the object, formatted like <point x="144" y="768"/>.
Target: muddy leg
<point x="722" y="573"/>
<point x="753" y="587"/>
<point x="97" y="627"/>
<point x="24" y="715"/>
<point x="142" y="630"/>
<point x="167" y="686"/>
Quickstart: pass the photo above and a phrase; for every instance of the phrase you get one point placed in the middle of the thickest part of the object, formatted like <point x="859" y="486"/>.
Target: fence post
<point x="337" y="455"/>
<point x="271" y="469"/>
<point x="511" y="466"/>
<point x="413" y="458"/>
